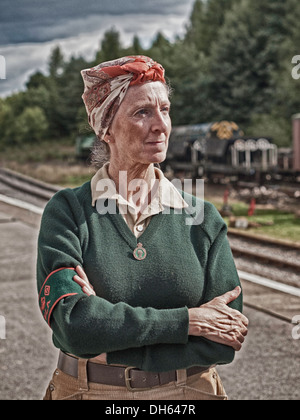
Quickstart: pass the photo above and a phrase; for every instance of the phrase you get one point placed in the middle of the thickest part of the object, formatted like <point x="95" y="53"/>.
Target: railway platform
<point x="267" y="368"/>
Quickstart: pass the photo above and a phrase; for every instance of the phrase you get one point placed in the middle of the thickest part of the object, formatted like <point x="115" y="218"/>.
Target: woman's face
<point x="141" y="128"/>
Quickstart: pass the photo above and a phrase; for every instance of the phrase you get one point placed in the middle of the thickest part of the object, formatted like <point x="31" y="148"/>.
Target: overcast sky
<point x="29" y="29"/>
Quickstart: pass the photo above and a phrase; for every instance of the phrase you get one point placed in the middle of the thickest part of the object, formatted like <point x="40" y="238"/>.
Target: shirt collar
<point x="167" y="195"/>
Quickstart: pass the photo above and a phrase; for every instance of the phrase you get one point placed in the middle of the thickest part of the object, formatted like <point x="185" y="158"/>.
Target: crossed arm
<point x="214" y="320"/>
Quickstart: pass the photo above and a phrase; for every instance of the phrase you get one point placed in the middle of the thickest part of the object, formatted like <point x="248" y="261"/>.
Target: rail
<point x="27" y="184"/>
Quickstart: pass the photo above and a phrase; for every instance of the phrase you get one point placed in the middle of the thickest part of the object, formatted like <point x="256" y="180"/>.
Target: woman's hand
<point x="218" y="322"/>
<point x="81" y="279"/>
<point x="214" y="320"/>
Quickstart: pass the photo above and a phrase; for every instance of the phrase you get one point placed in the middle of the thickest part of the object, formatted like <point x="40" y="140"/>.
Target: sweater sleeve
<point x="88" y="326"/>
<point x="221" y="277"/>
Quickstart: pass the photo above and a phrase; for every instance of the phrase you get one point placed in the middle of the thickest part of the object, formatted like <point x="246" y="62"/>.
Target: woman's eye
<point x="142" y="112"/>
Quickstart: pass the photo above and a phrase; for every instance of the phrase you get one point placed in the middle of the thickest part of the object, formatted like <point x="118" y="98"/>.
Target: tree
<point x="136" y="46"/>
<point x="36" y="80"/>
<point x="110" y="46"/>
<point x="31" y="126"/>
<point x="244" y="57"/>
<point x="161" y="50"/>
<point x="194" y="28"/>
<point x="70" y="92"/>
<point x="6" y="122"/>
<point x="56" y="67"/>
<point x="186" y="71"/>
<point x="205" y="22"/>
<point x="134" y="49"/>
<point x="287" y="88"/>
<point x="56" y="63"/>
<point x="272" y="125"/>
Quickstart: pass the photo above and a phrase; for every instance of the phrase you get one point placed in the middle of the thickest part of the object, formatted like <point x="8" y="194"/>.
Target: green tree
<point x="136" y="46"/>
<point x="36" y="80"/>
<point x="195" y="27"/>
<point x="187" y="70"/>
<point x="70" y="94"/>
<point x="31" y="126"/>
<point x="134" y="49"/>
<point x="57" y="126"/>
<point x="111" y="47"/>
<point x="272" y="125"/>
<point x="287" y="88"/>
<point x="206" y="20"/>
<point x="244" y="58"/>
<point x="56" y="62"/>
<point x="161" y="51"/>
<point x="6" y="122"/>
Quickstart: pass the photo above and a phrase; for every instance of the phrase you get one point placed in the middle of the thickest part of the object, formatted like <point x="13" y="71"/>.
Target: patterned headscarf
<point x="106" y="85"/>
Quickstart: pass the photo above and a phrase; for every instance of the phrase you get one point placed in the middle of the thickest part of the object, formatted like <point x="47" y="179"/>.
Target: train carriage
<point x="220" y="149"/>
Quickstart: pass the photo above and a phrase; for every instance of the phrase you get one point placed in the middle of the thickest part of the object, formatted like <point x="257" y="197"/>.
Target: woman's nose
<point x="160" y="122"/>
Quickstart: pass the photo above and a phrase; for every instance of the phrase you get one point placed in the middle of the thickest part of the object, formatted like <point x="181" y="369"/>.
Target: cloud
<point x="29" y="30"/>
<point x="22" y="60"/>
<point x="23" y="21"/>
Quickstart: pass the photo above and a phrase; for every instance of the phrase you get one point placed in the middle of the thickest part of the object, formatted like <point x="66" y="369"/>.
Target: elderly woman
<point x="142" y="303"/>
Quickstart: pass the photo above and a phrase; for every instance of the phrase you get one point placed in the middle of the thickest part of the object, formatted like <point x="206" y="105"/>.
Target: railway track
<point x="269" y="270"/>
<point x="22" y="197"/>
<point x="27" y="185"/>
<point x="271" y="253"/>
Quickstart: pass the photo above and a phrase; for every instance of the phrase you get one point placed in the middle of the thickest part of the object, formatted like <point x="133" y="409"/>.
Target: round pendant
<point x="139" y="253"/>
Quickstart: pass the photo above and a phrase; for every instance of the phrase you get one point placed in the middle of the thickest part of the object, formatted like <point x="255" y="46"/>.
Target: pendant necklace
<point x="139" y="253"/>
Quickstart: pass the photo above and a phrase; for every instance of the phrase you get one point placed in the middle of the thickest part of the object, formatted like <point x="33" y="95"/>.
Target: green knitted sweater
<point x="140" y="314"/>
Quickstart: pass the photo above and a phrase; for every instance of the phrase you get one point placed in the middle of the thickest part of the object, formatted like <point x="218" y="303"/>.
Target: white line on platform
<point x="21" y="204"/>
<point x="295" y="291"/>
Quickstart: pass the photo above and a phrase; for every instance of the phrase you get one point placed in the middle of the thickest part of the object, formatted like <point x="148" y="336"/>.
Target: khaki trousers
<point x="204" y="386"/>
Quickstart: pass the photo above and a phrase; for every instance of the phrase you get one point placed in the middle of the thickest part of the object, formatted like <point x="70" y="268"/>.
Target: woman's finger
<point x="79" y="281"/>
<point x="231" y="295"/>
<point x="85" y="285"/>
<point x="88" y="291"/>
<point x="80" y="271"/>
